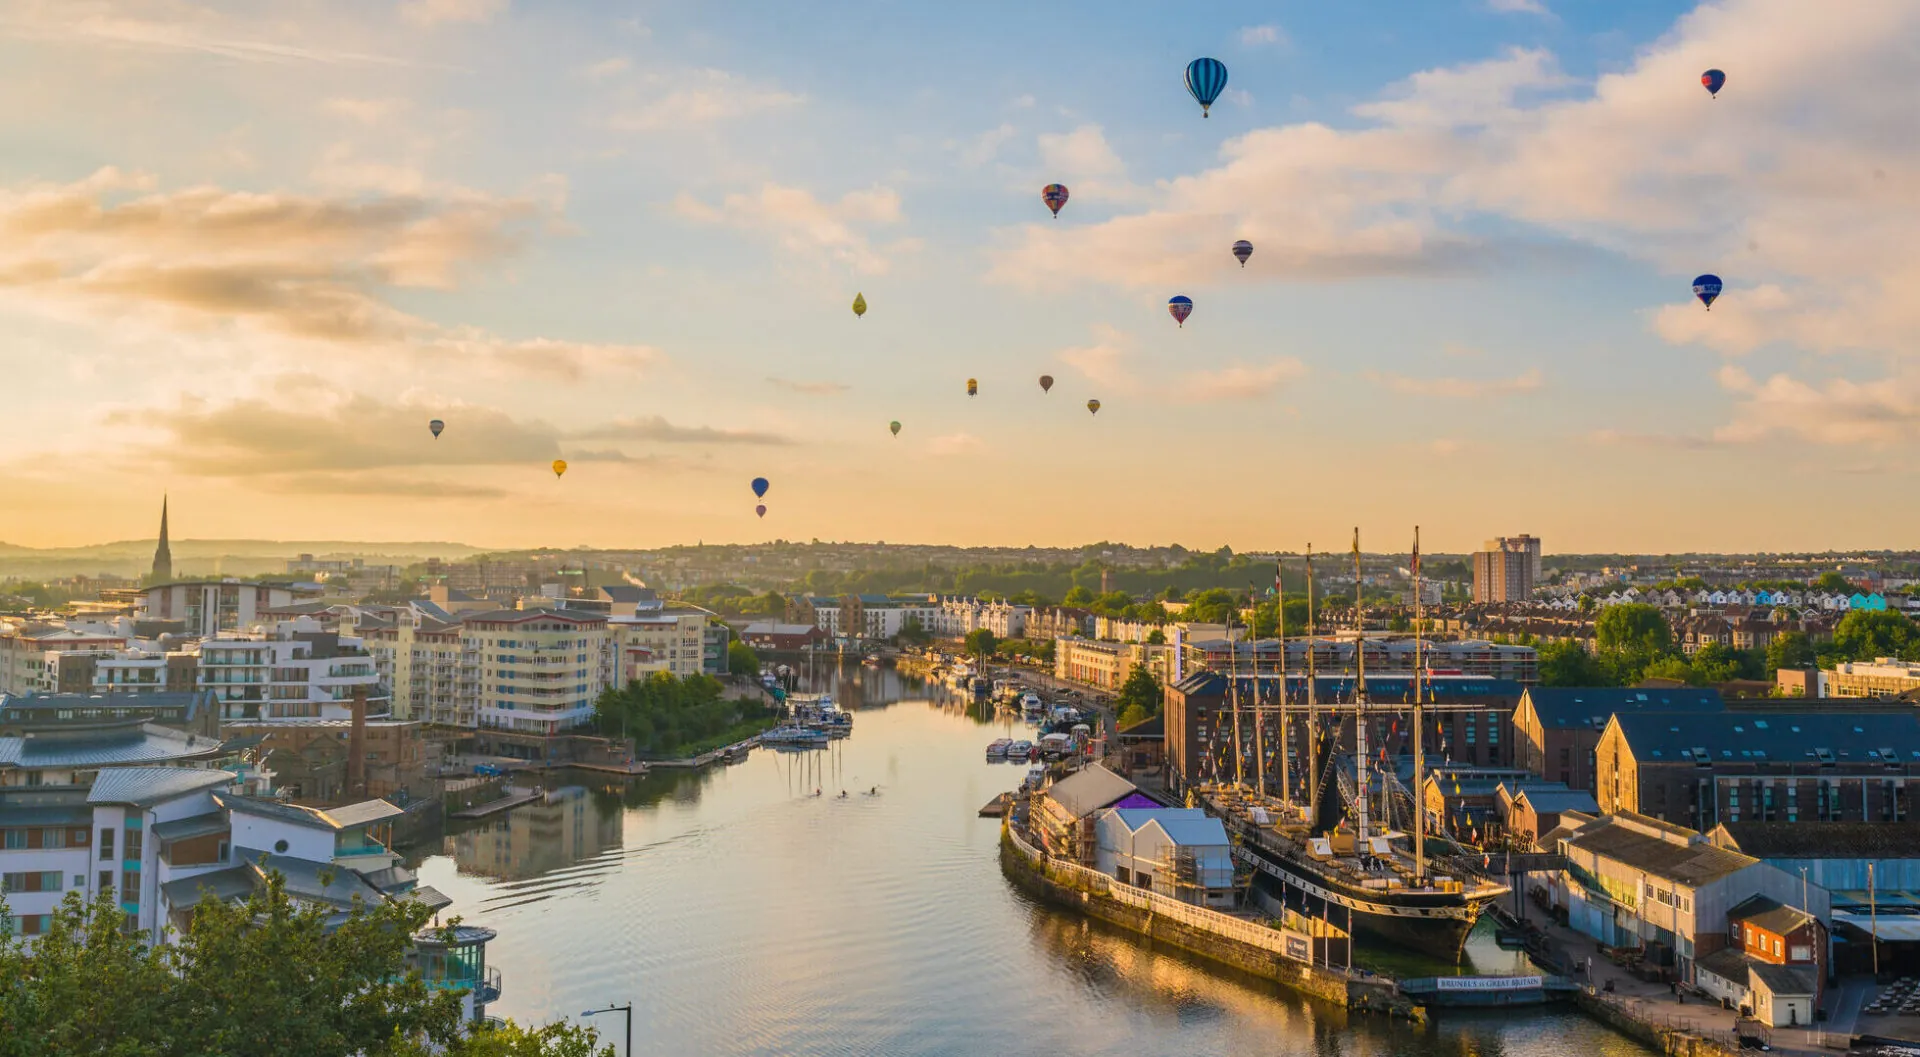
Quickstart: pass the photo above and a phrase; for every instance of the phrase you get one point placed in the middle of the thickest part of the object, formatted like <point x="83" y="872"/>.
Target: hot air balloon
<point x="1205" y="79"/>
<point x="973" y="386"/>
<point x="1706" y="288"/>
<point x="859" y="305"/>
<point x="759" y="488"/>
<point x="1046" y="383"/>
<point x="435" y="427"/>
<point x="1093" y="406"/>
<point x="895" y="427"/>
<point x="1055" y="196"/>
<point x="1713" y="80"/>
<point x="1243" y="249"/>
<point x="1181" y="306"/>
<point x="559" y="467"/>
<point x="761" y="510"/>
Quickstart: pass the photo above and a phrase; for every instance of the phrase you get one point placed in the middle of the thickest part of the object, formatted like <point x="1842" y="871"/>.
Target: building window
<point x="133" y="844"/>
<point x="106" y="844"/>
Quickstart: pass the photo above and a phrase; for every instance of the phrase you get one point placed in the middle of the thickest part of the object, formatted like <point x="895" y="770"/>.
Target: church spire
<point x="163" y="555"/>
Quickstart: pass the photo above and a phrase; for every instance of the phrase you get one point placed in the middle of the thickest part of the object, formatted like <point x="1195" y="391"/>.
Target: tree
<point x="262" y="976"/>
<point x="1134" y="714"/>
<point x="1863" y="635"/>
<point x="1079" y="597"/>
<point x="741" y="660"/>
<point x="1215" y="605"/>
<point x="1791" y="649"/>
<point x="1141" y="690"/>
<point x="1586" y="604"/>
<point x="1674" y="668"/>
<point x="1634" y="628"/>
<point x="912" y="633"/>
<point x="1156" y="637"/>
<point x="981" y="643"/>
<point x="1832" y="581"/>
<point x="1567" y="663"/>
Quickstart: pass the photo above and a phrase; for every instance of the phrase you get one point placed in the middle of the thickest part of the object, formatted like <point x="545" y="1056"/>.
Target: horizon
<point x="248" y="257"/>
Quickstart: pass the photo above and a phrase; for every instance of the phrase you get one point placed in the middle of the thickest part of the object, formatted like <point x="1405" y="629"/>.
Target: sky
<point x="248" y="251"/>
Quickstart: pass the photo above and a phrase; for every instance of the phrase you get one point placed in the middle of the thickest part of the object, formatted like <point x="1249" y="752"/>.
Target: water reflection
<point x="744" y="916"/>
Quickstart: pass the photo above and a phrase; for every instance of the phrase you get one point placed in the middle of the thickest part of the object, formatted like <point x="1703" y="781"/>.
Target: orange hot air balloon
<point x="973" y="386"/>
<point x="559" y="467"/>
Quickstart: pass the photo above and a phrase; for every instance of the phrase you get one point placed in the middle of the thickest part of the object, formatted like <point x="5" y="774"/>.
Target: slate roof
<point x="1152" y="728"/>
<point x="143" y="786"/>
<point x="1688" y="864"/>
<point x="191" y="700"/>
<point x="1825" y="840"/>
<point x="234" y="882"/>
<point x="624" y="593"/>
<point x="1562" y="707"/>
<point x="192" y="826"/>
<point x="1728" y="963"/>
<point x="1782" y="979"/>
<point x="1554" y="801"/>
<point x="1851" y="737"/>
<point x="106" y="748"/>
<point x="1089" y="790"/>
<point x="333" y="818"/>
<point x="1764" y="913"/>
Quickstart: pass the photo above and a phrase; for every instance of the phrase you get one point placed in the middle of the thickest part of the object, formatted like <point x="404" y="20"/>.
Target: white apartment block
<point x="661" y="641"/>
<point x="540" y="670"/>
<point x="28" y="653"/>
<point x="289" y="673"/>
<point x="957" y="617"/>
<point x="424" y="663"/>
<point x="210" y="609"/>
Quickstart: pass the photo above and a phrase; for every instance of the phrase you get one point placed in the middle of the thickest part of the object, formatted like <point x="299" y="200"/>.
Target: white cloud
<point x="436" y="12"/>
<point x="1105" y="361"/>
<point x="984" y="147"/>
<point x="605" y="68"/>
<point x="806" y="226"/>
<point x="1255" y="36"/>
<point x="955" y="444"/>
<point x="1239" y="381"/>
<point x="1459" y="388"/>
<point x="1518" y="7"/>
<point x="174" y="28"/>
<point x="1877" y="413"/>
<point x="1084" y="152"/>
<point x="691" y="99"/>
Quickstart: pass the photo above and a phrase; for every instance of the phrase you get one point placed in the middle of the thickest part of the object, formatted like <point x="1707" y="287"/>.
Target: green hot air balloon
<point x="895" y="427"/>
<point x="859" y="305"/>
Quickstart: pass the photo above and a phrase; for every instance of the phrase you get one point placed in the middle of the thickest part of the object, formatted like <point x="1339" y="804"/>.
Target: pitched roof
<point x="191" y="700"/>
<point x="231" y="883"/>
<point x="624" y="593"/>
<point x="1554" y="801"/>
<point x="193" y="826"/>
<point x="1560" y="707"/>
<point x="1088" y="790"/>
<point x="1688" y="864"/>
<point x="118" y="747"/>
<point x="1727" y="963"/>
<point x="1782" y="979"/>
<point x="1187" y="826"/>
<point x="333" y="818"/>
<point x="1857" y="737"/>
<point x="150" y="785"/>
<point x="1766" y="913"/>
<point x="1150" y="728"/>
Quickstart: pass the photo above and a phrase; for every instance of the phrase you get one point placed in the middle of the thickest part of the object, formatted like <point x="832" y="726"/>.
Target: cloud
<point x="694" y="98"/>
<point x="1479" y="93"/>
<point x="1519" y="7"/>
<point x="170" y="28"/>
<point x="1255" y="36"/>
<point x="1086" y="162"/>
<point x="1653" y="441"/>
<point x="1239" y="381"/>
<point x="606" y="68"/>
<point x="659" y="430"/>
<point x="1876" y="413"/>
<point x="1459" y="388"/>
<point x="365" y="111"/>
<point x="1104" y="361"/>
<point x="436" y="12"/>
<point x="955" y="444"/>
<point x="984" y="147"/>
<point x="804" y="225"/>
<point x="300" y="269"/>
<point x="348" y="484"/>
<point x="810" y="388"/>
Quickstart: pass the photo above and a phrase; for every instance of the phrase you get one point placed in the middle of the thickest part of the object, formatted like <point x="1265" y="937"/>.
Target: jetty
<point x="513" y="799"/>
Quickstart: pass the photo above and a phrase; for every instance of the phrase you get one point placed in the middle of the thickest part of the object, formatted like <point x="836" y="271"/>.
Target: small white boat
<point x="1031" y="703"/>
<point x="999" y="747"/>
<point x="1019" y="750"/>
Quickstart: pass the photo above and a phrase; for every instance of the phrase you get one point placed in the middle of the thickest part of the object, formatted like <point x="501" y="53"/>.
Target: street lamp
<point x="628" y="1010"/>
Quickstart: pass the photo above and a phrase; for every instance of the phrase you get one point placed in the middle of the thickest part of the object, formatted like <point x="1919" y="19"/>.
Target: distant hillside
<point x="202" y="557"/>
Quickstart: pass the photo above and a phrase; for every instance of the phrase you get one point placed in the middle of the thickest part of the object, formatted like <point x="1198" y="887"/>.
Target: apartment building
<point x="539" y="670"/>
<point x="29" y="660"/>
<point x="665" y="640"/>
<point x="423" y="662"/>
<point x="1883" y="677"/>
<point x="209" y="609"/>
<point x="1506" y="569"/>
<point x="1700" y="769"/>
<point x="289" y="673"/>
<point x="144" y="671"/>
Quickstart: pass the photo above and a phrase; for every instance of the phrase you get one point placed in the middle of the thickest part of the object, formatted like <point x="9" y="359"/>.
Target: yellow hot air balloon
<point x="859" y="305"/>
<point x="1093" y="406"/>
<point x="559" y="467"/>
<point x="973" y="386"/>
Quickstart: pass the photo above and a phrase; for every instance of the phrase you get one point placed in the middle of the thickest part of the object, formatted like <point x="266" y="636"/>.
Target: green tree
<point x="1134" y="714"/>
<point x="1832" y="581"/>
<point x="1714" y="663"/>
<point x="981" y="643"/>
<point x="1675" y="668"/>
<point x="267" y="975"/>
<point x="741" y="660"/>
<point x="1791" y="649"/>
<point x="1141" y="690"/>
<point x="1215" y="605"/>
<point x="1080" y="597"/>
<point x="1634" y="628"/>
<point x="1567" y="663"/>
<point x="1863" y="635"/>
<point x="1156" y="637"/>
<point x="912" y="633"/>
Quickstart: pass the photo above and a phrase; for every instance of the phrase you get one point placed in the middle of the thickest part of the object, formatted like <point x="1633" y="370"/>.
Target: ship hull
<point x="1434" y="924"/>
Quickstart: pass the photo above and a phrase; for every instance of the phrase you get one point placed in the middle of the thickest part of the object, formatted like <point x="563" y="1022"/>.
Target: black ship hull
<point x="1435" y="924"/>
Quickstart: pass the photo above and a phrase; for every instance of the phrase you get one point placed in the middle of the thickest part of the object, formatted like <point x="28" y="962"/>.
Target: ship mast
<point x="1313" y="698"/>
<point x="1233" y="669"/>
<point x="1259" y="744"/>
<point x="1419" y="732"/>
<point x="1359" y="696"/>
<point x="1280" y="629"/>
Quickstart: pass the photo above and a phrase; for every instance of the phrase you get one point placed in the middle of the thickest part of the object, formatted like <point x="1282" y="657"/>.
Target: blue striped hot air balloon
<point x="1706" y="288"/>
<point x="1181" y="306"/>
<point x="1206" y="78"/>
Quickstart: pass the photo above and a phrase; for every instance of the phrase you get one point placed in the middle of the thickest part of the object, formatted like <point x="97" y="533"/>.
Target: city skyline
<point x="246" y="258"/>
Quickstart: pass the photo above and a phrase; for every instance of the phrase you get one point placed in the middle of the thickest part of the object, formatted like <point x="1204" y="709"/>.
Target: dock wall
<point x="1675" y="1042"/>
<point x="1078" y="889"/>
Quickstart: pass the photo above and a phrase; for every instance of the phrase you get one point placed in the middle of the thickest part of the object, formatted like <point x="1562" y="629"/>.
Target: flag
<point x="1416" y="554"/>
<point x="1356" y="541"/>
<point x="1279" y="568"/>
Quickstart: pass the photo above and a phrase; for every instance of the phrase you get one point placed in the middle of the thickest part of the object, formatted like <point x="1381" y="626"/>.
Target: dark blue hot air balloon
<point x="1713" y="80"/>
<point x="1206" y="78"/>
<point x="1181" y="306"/>
<point x="436" y="426"/>
<point x="1706" y="288"/>
<point x="760" y="487"/>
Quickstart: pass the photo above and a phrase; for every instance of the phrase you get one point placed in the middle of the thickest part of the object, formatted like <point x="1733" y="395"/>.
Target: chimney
<point x="357" y="747"/>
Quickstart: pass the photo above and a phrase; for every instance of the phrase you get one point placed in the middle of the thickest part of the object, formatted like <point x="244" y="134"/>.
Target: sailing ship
<point x="1333" y="858"/>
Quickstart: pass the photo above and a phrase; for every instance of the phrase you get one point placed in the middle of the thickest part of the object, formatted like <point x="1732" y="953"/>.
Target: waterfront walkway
<point x="513" y="799"/>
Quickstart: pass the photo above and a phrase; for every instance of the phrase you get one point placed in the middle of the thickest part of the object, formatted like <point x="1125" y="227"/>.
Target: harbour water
<point x="743" y="915"/>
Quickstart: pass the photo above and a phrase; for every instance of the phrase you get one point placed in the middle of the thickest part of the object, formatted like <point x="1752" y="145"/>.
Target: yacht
<point x="998" y="750"/>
